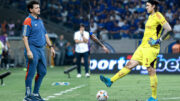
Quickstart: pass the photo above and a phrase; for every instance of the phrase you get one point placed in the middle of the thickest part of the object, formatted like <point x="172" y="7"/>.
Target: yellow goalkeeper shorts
<point x="146" y="56"/>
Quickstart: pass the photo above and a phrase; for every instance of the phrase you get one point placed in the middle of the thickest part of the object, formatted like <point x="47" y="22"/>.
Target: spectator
<point x="93" y="27"/>
<point x="115" y="32"/>
<point x="140" y="7"/>
<point x="57" y="17"/>
<point x="4" y="40"/>
<point x="104" y="34"/>
<point x="121" y="23"/>
<point x="61" y="45"/>
<point x="11" y="28"/>
<point x="1" y="50"/>
<point x="138" y="34"/>
<point x="133" y="27"/>
<point x="69" y="54"/>
<point x="132" y="8"/>
<point x="81" y="38"/>
<point x="169" y="14"/>
<point x="64" y="15"/>
<point x="176" y="29"/>
<point x="125" y="30"/>
<point x="4" y="26"/>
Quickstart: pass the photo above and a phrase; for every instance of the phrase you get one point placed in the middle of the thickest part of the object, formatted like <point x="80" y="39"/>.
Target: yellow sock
<point x="124" y="71"/>
<point x="153" y="82"/>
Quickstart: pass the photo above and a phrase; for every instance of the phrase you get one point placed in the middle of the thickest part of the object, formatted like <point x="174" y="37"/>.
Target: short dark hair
<point x="30" y="5"/>
<point x="82" y="25"/>
<point x="154" y="2"/>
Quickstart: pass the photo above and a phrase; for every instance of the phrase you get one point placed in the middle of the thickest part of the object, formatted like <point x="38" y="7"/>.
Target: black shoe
<point x="29" y="98"/>
<point x="38" y="97"/>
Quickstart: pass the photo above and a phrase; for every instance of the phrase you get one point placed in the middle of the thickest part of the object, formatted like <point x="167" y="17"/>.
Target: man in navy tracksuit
<point x="35" y="39"/>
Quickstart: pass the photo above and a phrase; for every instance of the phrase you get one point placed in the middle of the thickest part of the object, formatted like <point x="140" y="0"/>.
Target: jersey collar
<point x="33" y="18"/>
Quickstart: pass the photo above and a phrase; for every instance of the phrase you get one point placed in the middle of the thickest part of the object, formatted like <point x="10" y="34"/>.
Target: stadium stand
<point x="122" y="18"/>
<point x="126" y="18"/>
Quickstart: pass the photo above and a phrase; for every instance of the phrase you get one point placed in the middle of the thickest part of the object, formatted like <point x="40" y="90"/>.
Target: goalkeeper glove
<point x="154" y="42"/>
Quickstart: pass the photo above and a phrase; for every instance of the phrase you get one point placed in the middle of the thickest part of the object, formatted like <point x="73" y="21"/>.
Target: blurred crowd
<point x="70" y="13"/>
<point x="108" y="19"/>
<point x="116" y="19"/>
<point x="11" y="28"/>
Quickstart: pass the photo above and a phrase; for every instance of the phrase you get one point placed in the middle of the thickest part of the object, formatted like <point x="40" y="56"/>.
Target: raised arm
<point x="95" y="39"/>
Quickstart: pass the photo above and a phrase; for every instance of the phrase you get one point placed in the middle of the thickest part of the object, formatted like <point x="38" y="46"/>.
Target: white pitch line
<point x="173" y="98"/>
<point x="64" y="92"/>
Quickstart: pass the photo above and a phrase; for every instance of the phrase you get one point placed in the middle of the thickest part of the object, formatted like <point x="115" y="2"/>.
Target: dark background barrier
<point x="112" y="63"/>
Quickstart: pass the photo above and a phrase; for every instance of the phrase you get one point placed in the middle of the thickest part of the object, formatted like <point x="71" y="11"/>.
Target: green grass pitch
<point x="129" y="88"/>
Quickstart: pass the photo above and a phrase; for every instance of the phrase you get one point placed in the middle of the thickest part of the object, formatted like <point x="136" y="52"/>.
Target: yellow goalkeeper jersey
<point x="153" y="29"/>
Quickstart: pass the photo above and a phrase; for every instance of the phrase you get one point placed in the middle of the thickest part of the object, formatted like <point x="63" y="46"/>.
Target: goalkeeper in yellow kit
<point x="146" y="53"/>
